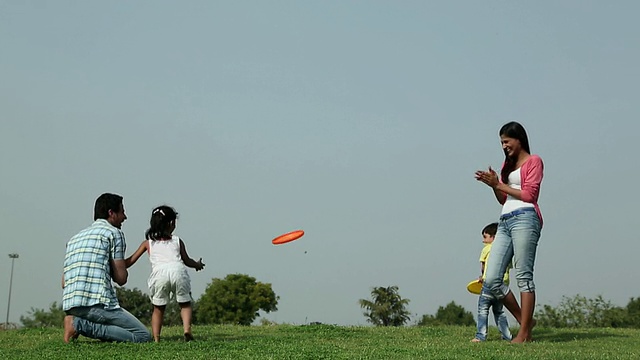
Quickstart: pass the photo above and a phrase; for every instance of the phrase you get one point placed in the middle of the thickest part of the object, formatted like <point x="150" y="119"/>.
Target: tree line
<point x="388" y="308"/>
<point x="238" y="298"/>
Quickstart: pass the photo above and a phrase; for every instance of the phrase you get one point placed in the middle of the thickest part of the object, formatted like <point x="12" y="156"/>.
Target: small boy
<point x="486" y="300"/>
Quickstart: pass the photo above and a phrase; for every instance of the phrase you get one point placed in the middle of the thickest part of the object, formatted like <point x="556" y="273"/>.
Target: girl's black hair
<point x="161" y="218"/>
<point x="515" y="131"/>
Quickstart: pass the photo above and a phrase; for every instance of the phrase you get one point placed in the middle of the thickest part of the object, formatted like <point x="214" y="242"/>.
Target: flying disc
<point x="288" y="237"/>
<point x="475" y="287"/>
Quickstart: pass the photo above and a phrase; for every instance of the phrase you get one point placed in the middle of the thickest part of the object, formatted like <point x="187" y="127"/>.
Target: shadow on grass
<point x="553" y="335"/>
<point x="208" y="337"/>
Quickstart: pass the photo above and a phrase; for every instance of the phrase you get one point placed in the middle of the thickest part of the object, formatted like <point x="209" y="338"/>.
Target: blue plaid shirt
<point x="87" y="266"/>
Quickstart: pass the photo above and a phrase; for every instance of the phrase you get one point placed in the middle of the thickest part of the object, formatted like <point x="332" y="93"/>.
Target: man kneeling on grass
<point x="93" y="258"/>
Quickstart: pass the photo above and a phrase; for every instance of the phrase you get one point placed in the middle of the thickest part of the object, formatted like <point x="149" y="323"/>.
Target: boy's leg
<point x="501" y="320"/>
<point x="484" y="301"/>
<point x="156" y="321"/>
<point x="109" y="325"/>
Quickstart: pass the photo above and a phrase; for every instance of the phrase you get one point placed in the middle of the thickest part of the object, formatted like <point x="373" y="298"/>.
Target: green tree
<point x="236" y="299"/>
<point x="135" y="302"/>
<point x="582" y="312"/>
<point x="451" y="314"/>
<point x="633" y="312"/>
<point x="386" y="307"/>
<point x="38" y="318"/>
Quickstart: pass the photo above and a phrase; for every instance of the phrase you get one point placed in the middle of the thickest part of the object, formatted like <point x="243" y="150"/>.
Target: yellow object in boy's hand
<point x="475" y="287"/>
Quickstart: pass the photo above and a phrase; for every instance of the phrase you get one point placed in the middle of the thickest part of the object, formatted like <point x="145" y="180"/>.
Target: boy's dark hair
<point x="490" y="229"/>
<point x="515" y="131"/>
<point x="104" y="203"/>
<point x="161" y="217"/>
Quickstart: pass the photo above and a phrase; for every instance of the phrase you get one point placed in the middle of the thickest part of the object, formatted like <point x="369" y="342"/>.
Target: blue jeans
<point x="486" y="301"/>
<point x="517" y="238"/>
<point x="96" y="322"/>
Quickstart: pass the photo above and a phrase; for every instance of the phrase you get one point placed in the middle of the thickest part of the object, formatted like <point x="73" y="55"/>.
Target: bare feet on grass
<point x="475" y="340"/>
<point x="188" y="337"/>
<point x="526" y="337"/>
<point x="70" y="332"/>
<point x="533" y="324"/>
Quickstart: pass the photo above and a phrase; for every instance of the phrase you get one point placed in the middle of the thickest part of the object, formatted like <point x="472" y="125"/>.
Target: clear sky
<point x="360" y="122"/>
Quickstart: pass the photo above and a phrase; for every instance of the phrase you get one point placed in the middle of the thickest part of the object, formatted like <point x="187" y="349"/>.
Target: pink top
<point x="531" y="173"/>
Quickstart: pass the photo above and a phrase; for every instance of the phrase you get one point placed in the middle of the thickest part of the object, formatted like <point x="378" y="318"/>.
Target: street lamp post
<point x="13" y="258"/>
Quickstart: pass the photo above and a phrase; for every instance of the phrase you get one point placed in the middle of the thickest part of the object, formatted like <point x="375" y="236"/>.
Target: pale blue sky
<point x="360" y="122"/>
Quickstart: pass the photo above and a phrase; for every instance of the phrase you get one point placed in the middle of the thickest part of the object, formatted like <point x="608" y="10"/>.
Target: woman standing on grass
<point x="517" y="189"/>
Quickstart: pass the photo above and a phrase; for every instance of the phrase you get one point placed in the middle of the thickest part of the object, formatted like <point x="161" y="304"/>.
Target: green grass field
<point x="329" y="342"/>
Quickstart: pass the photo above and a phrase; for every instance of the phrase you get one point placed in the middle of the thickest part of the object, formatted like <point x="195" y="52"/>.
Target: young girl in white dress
<point x="169" y="262"/>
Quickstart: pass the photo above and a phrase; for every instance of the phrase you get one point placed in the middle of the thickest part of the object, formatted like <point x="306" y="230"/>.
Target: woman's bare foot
<point x="533" y="324"/>
<point x="188" y="337"/>
<point x="70" y="332"/>
<point x="520" y="340"/>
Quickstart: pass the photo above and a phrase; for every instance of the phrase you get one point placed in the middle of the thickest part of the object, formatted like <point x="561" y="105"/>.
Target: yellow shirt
<point x="484" y="258"/>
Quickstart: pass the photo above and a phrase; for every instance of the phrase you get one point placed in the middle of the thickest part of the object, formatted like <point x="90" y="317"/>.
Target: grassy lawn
<point x="329" y="342"/>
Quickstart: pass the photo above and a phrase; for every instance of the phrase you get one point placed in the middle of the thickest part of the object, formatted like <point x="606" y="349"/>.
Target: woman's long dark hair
<point x="161" y="218"/>
<point x="515" y="131"/>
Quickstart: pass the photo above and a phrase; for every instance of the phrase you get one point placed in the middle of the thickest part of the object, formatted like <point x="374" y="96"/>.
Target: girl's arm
<point x="507" y="190"/>
<point x="198" y="265"/>
<point x="490" y="178"/>
<point x="530" y="182"/>
<point x="136" y="255"/>
<point x="500" y="196"/>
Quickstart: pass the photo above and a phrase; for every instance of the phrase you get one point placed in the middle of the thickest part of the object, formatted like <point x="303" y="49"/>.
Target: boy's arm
<point x="481" y="271"/>
<point x="198" y="265"/>
<point x="136" y="255"/>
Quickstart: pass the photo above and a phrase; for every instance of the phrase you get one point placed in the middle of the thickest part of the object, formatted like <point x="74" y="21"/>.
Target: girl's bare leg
<point x="156" y="321"/>
<point x="186" y="313"/>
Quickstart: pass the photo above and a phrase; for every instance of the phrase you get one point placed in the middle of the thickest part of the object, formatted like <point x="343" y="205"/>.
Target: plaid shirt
<point x="87" y="266"/>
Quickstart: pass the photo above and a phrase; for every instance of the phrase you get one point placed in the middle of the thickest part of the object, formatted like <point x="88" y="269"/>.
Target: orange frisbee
<point x="288" y="237"/>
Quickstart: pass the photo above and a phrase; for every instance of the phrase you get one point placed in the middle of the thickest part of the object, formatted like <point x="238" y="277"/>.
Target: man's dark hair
<point x="104" y="203"/>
